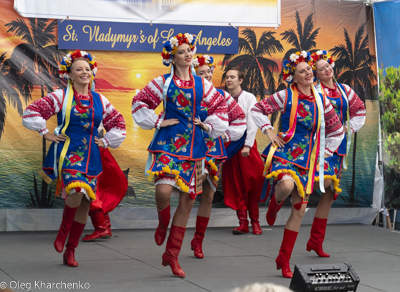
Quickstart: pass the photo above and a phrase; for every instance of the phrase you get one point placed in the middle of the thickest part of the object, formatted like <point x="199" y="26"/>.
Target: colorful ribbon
<point x="286" y="137"/>
<point x="66" y="112"/>
<point x="344" y="95"/>
<point x="321" y="143"/>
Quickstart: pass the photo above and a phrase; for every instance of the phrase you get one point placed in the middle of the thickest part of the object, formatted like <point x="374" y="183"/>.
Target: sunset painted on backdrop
<point x="138" y="68"/>
<point x="122" y="74"/>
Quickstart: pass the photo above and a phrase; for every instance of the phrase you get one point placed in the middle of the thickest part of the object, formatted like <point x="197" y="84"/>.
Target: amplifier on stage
<point x="324" y="277"/>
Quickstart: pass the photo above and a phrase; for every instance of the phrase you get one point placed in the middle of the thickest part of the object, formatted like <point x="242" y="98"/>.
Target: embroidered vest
<point x="184" y="140"/>
<point x="83" y="154"/>
<point x="340" y="105"/>
<point x="298" y="149"/>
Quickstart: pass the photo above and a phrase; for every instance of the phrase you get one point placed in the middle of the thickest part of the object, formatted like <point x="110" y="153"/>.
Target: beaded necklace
<point x="79" y="97"/>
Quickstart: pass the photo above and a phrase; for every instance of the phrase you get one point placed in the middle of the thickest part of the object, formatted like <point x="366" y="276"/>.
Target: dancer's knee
<point x="285" y="187"/>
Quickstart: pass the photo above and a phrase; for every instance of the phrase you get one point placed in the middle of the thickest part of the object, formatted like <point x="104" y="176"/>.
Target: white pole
<point x="380" y="160"/>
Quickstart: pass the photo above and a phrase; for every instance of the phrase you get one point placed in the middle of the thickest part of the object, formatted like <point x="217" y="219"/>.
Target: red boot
<point x="244" y="223"/>
<point x="282" y="261"/>
<point x="197" y="241"/>
<point x="163" y="221"/>
<point x="65" y="227"/>
<point x="174" y="243"/>
<point x="273" y="209"/>
<point x="254" y="214"/>
<point x="101" y="225"/>
<point x="317" y="237"/>
<point x="73" y="241"/>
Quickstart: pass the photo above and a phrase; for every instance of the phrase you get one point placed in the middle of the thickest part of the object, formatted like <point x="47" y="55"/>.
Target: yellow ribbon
<point x="314" y="151"/>
<point x="292" y="123"/>
<point x="70" y="98"/>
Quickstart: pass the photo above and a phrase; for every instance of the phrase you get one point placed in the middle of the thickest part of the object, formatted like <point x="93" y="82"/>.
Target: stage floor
<point x="131" y="261"/>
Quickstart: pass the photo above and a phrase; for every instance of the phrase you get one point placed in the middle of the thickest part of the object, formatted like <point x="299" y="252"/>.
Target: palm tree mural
<point x="304" y="40"/>
<point x="7" y="92"/>
<point x="353" y="63"/>
<point x="251" y="60"/>
<point x="353" y="66"/>
<point x="34" y="62"/>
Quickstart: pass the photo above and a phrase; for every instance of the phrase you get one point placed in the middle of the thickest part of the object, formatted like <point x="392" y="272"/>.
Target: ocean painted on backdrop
<point x="21" y="157"/>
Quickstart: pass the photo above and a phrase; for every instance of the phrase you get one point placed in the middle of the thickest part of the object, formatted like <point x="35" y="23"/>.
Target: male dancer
<point x="241" y="175"/>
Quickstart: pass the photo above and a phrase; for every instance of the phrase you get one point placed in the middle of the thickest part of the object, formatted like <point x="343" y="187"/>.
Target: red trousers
<point x="242" y="179"/>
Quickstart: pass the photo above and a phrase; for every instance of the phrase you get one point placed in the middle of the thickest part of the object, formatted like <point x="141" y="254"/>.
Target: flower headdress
<point x="290" y="64"/>
<point x="318" y="55"/>
<point x="171" y="46"/>
<point x="204" y="60"/>
<point x="64" y="68"/>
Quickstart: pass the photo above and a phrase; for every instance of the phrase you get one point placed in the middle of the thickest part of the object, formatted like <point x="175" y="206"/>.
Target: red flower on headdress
<point x="181" y="39"/>
<point x="296" y="152"/>
<point x="164" y="159"/>
<point x="201" y="60"/>
<point x="182" y="100"/>
<point x="302" y="111"/>
<point x="213" y="172"/>
<point x="165" y="56"/>
<point x="76" y="55"/>
<point x="180" y="142"/>
<point x="186" y="165"/>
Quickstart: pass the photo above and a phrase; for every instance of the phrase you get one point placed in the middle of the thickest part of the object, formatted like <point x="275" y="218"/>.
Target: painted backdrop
<point x="28" y="57"/>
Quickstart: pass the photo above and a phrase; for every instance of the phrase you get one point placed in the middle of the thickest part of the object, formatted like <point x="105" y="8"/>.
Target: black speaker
<point x="324" y="277"/>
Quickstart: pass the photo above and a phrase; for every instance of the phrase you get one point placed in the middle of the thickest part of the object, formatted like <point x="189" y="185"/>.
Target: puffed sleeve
<point x="237" y="119"/>
<point x="333" y="129"/>
<point x="114" y="123"/>
<point x="246" y="102"/>
<point x="217" y="117"/>
<point x="39" y="111"/>
<point x="260" y="111"/>
<point x="145" y="102"/>
<point x="357" y="110"/>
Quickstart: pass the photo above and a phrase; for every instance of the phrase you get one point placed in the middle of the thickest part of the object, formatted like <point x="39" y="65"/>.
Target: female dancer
<point x="178" y="146"/>
<point x="75" y="143"/>
<point x="292" y="155"/>
<point x="216" y="154"/>
<point x="348" y="106"/>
